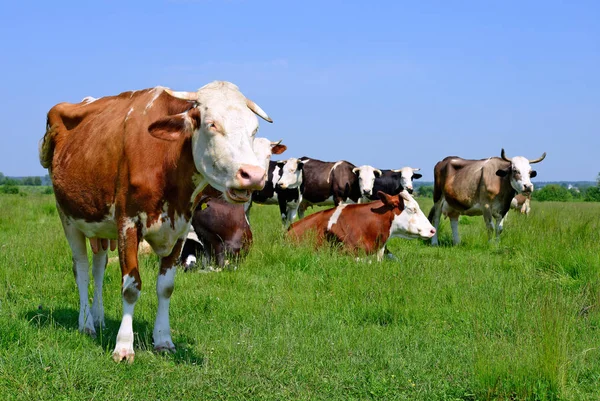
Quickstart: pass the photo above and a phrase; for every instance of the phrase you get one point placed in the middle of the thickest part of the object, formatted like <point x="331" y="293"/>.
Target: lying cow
<point x="331" y="183"/>
<point x="220" y="231"/>
<point x="130" y="167"/>
<point x="366" y="227"/>
<point x="479" y="187"/>
<point x="521" y="203"/>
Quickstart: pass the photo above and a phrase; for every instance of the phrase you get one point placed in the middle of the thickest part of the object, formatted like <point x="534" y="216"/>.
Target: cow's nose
<point x="410" y="190"/>
<point x="527" y="188"/>
<point x="432" y="231"/>
<point x="251" y="177"/>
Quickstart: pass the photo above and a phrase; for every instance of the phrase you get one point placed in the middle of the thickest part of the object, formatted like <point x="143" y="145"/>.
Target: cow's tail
<point x="431" y="214"/>
<point x="46" y="146"/>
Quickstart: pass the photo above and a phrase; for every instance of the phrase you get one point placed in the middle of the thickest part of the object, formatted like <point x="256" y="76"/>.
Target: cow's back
<point x="101" y="145"/>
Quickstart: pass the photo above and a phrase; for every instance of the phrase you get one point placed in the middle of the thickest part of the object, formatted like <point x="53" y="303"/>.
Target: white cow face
<point x="520" y="172"/>
<point x="291" y="173"/>
<point x="366" y="179"/>
<point x="411" y="222"/>
<point x="222" y="144"/>
<point x="408" y="174"/>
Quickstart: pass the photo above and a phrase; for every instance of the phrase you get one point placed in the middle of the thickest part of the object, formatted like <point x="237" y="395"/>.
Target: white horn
<point x="257" y="110"/>
<point x="183" y="95"/>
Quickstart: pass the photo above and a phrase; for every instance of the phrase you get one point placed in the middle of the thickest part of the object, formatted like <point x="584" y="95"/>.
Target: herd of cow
<point x="145" y="165"/>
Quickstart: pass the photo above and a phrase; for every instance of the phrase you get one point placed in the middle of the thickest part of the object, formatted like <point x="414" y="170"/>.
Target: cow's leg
<point x="380" y="253"/>
<point x="164" y="288"/>
<point x="500" y="226"/>
<point x="434" y="218"/>
<point x="129" y="239"/>
<point x="99" y="261"/>
<point x="454" y="225"/>
<point x="81" y="271"/>
<point x="489" y="223"/>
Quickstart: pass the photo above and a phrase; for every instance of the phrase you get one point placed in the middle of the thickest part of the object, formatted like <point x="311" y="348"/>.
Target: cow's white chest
<point x="163" y="233"/>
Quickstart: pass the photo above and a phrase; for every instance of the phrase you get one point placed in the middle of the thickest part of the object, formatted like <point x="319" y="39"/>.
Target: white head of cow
<point x="223" y="124"/>
<point x="411" y="222"/>
<point x="520" y="172"/>
<point x="366" y="178"/>
<point x="264" y="148"/>
<point x="291" y="173"/>
<point x="407" y="175"/>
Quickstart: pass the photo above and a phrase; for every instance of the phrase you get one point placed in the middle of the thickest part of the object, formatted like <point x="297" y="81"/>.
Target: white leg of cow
<point x="81" y="271"/>
<point x="131" y="286"/>
<point x="99" y="262"/>
<point x="454" y="225"/>
<point x="162" y="329"/>
<point x="124" y="346"/>
<point x="437" y="213"/>
<point x="380" y="254"/>
<point x="500" y="226"/>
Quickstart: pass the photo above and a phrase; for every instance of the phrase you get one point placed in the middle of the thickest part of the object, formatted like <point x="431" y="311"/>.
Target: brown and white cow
<point x="366" y="227"/>
<point x="331" y="183"/>
<point x="479" y="187"/>
<point x="521" y="203"/>
<point x="130" y="166"/>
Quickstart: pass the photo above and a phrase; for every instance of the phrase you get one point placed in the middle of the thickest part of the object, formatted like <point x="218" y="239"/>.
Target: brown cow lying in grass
<point x="366" y="227"/>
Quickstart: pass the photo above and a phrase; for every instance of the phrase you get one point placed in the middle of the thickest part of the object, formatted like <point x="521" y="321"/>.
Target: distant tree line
<point x="30" y="181"/>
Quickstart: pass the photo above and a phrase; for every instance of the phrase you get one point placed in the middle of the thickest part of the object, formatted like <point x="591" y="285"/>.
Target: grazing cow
<point x="131" y="166"/>
<point x="331" y="183"/>
<point x="366" y="227"/>
<point x="521" y="202"/>
<point x="220" y="229"/>
<point x="479" y="187"/>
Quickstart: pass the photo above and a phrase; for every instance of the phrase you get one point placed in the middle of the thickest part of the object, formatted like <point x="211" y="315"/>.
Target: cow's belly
<point x="473" y="210"/>
<point x="103" y="229"/>
<point x="323" y="202"/>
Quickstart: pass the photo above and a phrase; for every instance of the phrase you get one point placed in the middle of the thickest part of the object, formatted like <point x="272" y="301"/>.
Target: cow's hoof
<point x="123" y="355"/>
<point x="168" y="348"/>
<point x="89" y="331"/>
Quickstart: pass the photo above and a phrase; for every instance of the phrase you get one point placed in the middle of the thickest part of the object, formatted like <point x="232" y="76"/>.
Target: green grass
<point x="517" y="320"/>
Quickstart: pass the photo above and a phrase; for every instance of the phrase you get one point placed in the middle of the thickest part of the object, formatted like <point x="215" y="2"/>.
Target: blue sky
<point x="386" y="83"/>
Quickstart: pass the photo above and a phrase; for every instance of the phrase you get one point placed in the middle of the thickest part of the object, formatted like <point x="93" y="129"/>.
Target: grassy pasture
<point x="517" y="320"/>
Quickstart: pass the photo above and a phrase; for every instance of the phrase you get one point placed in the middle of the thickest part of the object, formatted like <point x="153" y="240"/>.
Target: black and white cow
<point x="392" y="182"/>
<point x="332" y="183"/>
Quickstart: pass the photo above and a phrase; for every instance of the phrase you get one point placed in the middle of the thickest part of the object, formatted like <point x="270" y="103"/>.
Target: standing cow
<point x="392" y="182"/>
<point x="479" y="187"/>
<point x="331" y="183"/>
<point x="130" y="167"/>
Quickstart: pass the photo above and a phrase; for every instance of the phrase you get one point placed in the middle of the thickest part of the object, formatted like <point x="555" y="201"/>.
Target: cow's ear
<point x="172" y="128"/>
<point x="280" y="163"/>
<point x="532" y="173"/>
<point x="377" y="173"/>
<point x="278" y="149"/>
<point x="502" y="173"/>
<point x="301" y="164"/>
<point x="389" y="200"/>
<point x="416" y="176"/>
